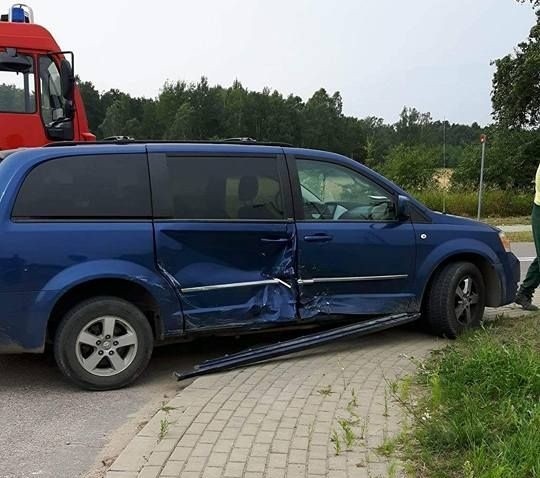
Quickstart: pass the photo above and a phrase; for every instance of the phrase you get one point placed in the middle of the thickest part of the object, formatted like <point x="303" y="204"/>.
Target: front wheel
<point x="456" y="300"/>
<point x="104" y="343"/>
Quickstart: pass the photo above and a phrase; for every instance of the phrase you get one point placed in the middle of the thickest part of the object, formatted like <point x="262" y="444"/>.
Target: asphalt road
<point x="51" y="429"/>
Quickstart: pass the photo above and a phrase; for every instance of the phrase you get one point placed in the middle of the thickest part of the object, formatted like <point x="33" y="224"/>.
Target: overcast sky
<point x="380" y="54"/>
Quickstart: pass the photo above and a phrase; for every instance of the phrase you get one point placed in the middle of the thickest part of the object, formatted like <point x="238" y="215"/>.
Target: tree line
<point x="409" y="151"/>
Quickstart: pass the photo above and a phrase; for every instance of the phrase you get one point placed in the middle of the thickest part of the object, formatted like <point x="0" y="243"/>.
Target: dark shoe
<point x="525" y="302"/>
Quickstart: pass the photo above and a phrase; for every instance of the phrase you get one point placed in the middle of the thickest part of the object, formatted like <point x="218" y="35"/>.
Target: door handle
<point x="278" y="240"/>
<point x="318" y="238"/>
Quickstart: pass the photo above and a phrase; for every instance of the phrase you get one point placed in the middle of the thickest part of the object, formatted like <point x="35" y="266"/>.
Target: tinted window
<point x="106" y="186"/>
<point x="225" y="188"/>
<point x="334" y="193"/>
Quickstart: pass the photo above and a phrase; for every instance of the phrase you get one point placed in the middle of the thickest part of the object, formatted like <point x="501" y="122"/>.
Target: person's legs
<point x="532" y="280"/>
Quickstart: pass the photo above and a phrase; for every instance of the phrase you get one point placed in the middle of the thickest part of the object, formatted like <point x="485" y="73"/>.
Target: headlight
<point x="505" y="242"/>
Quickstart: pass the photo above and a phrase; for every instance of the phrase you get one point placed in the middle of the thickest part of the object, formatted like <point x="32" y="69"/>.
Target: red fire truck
<point x="39" y="99"/>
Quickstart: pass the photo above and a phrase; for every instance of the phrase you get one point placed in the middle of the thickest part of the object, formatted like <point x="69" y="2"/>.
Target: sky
<point x="381" y="55"/>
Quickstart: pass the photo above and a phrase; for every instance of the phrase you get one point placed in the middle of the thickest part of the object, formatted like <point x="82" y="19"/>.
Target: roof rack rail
<point x="121" y="141"/>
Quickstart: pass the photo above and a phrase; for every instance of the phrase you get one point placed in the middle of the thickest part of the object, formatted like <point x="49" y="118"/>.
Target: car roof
<point x="121" y="146"/>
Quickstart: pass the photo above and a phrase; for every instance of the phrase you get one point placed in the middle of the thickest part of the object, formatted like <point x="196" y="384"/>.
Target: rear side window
<point x="86" y="187"/>
<point x="228" y="188"/>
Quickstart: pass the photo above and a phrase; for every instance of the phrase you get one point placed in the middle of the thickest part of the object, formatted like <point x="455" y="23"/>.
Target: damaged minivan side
<point x="110" y="250"/>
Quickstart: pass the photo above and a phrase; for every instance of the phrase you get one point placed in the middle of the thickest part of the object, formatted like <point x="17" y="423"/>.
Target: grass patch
<point x="475" y="407"/>
<point x="325" y="391"/>
<point x="164" y="425"/>
<point x="521" y="236"/>
<point x="495" y="202"/>
<point x="336" y="441"/>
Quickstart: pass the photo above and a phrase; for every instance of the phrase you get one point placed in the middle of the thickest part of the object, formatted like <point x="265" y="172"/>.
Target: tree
<point x="412" y="126"/>
<point x="320" y="119"/>
<point x="516" y="83"/>
<point x="95" y="110"/>
<point x="512" y="160"/>
<point x="11" y="98"/>
<point x="412" y="167"/>
<point x="182" y="126"/>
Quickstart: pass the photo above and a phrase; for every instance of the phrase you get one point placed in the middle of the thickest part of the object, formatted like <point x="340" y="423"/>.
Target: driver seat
<point x="248" y="190"/>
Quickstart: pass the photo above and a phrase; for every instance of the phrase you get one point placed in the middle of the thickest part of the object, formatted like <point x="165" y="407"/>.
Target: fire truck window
<point x="17" y="90"/>
<point x="52" y="101"/>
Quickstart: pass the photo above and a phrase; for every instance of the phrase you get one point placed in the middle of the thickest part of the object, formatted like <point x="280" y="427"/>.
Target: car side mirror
<point x="67" y="79"/>
<point x="403" y="208"/>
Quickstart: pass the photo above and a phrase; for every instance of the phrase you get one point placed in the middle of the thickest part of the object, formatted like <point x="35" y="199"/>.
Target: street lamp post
<point x="483" y="140"/>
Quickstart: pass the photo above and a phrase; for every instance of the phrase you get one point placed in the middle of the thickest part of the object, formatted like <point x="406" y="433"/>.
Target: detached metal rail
<point x="305" y="342"/>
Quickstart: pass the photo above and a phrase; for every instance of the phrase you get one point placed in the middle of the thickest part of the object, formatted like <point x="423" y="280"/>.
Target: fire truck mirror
<point x="68" y="80"/>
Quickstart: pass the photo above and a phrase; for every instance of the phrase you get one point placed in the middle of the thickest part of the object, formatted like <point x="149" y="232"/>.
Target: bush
<point x="495" y="202"/>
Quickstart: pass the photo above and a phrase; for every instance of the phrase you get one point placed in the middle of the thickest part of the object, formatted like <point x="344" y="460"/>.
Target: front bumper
<point x="510" y="278"/>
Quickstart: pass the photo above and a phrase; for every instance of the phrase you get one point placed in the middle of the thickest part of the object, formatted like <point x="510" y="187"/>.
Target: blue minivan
<point x="108" y="250"/>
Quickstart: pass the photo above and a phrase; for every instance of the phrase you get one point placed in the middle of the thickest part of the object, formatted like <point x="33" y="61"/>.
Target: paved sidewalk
<point x="516" y="228"/>
<point x="277" y="419"/>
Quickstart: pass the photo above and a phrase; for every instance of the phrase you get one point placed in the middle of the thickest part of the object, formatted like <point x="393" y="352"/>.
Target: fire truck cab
<point x="39" y="99"/>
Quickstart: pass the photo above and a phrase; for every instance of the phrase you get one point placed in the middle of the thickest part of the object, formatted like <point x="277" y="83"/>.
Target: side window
<point x="86" y="187"/>
<point x="334" y="193"/>
<point x="52" y="101"/>
<point x="224" y="188"/>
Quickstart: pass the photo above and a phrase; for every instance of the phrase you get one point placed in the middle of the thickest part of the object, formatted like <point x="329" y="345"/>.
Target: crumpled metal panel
<point x="195" y="258"/>
<point x="324" y="303"/>
<point x="261" y="304"/>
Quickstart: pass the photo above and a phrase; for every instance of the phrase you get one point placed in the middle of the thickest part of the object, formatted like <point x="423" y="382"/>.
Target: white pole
<point x="444" y="167"/>
<point x="483" y="140"/>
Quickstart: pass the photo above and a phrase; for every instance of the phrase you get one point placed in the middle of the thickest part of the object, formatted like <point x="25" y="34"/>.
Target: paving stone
<point x="270" y="421"/>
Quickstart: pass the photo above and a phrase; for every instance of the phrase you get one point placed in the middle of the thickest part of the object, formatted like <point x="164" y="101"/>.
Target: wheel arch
<point x="125" y="289"/>
<point x="489" y="274"/>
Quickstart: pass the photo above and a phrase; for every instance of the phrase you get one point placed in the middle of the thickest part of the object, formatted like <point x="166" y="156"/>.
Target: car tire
<point x="103" y="343"/>
<point x="456" y="300"/>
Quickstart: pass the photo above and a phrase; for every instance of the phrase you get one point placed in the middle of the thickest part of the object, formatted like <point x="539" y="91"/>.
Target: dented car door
<point x="355" y="256"/>
<point x="225" y="237"/>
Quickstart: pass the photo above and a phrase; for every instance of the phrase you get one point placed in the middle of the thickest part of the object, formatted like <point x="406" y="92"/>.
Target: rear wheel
<point x="103" y="343"/>
<point x="456" y="300"/>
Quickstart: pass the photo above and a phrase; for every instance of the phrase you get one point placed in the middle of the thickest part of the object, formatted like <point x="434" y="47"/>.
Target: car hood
<point x="442" y="218"/>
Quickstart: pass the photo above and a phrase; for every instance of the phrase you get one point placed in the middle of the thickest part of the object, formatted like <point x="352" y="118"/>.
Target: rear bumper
<point x="9" y="346"/>
<point x="22" y="326"/>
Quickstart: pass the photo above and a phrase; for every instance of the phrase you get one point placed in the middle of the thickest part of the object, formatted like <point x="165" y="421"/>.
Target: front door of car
<point x="225" y="237"/>
<point x="354" y="255"/>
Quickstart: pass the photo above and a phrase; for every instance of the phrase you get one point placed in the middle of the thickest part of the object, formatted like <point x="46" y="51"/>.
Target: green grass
<point x="475" y="409"/>
<point x="508" y="221"/>
<point x="326" y="391"/>
<point x="522" y="236"/>
<point x="495" y="203"/>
